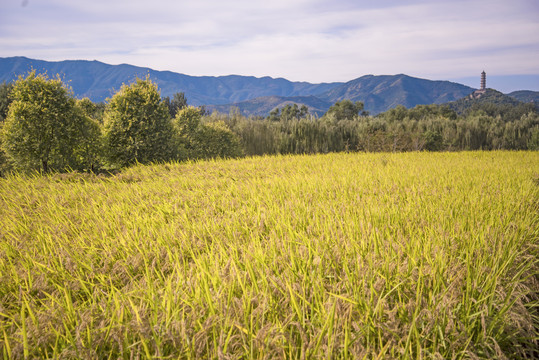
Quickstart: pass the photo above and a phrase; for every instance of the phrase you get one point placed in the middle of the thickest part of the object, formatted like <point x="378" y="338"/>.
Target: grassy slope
<point x="340" y="255"/>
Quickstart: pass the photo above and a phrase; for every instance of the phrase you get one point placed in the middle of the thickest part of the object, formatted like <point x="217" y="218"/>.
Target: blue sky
<point x="301" y="40"/>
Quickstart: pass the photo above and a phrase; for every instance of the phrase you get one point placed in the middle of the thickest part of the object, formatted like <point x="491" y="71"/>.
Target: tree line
<point x="347" y="127"/>
<point x="44" y="128"/>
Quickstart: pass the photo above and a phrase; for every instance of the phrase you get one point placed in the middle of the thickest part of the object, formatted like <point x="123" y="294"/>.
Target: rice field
<point x="338" y="256"/>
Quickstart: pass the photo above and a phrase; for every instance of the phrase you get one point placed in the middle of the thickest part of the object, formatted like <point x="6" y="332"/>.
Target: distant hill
<point x="381" y="93"/>
<point x="378" y="93"/>
<point x="526" y="96"/>
<point x="262" y="106"/>
<point x="252" y="95"/>
<point x="97" y="81"/>
<point x="490" y="96"/>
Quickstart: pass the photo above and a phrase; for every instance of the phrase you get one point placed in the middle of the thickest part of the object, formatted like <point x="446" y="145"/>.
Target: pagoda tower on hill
<point x="483" y="89"/>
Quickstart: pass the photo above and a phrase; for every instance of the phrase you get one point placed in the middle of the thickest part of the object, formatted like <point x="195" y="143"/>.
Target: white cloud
<point x="312" y="40"/>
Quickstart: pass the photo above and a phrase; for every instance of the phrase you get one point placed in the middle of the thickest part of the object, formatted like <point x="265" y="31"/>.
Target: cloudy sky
<point x="301" y="40"/>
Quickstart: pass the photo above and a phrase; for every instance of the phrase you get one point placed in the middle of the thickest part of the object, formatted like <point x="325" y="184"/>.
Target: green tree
<point x="5" y="99"/>
<point x="186" y="124"/>
<point x="187" y="121"/>
<point x="216" y="140"/>
<point x="178" y="102"/>
<point x="533" y="142"/>
<point x="4" y="164"/>
<point x="89" y="150"/>
<point x="274" y="115"/>
<point x="345" y="110"/>
<point x="196" y="140"/>
<point x="288" y="112"/>
<point x="93" y="110"/>
<point x="137" y="126"/>
<point x="433" y="140"/>
<point x="44" y="126"/>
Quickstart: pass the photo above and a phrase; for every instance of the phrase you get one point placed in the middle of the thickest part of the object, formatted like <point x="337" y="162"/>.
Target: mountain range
<point x="251" y="95"/>
<point x="378" y="93"/>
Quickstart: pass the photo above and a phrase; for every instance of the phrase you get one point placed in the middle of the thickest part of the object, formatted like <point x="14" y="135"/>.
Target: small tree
<point x="216" y="140"/>
<point x="186" y="124"/>
<point x="90" y="149"/>
<point x="201" y="141"/>
<point x="137" y="125"/>
<point x="4" y="163"/>
<point x="178" y="102"/>
<point x="433" y="140"/>
<point x="345" y="110"/>
<point x="289" y="112"/>
<point x="94" y="110"/>
<point x="5" y="100"/>
<point x="533" y="142"/>
<point x="43" y="126"/>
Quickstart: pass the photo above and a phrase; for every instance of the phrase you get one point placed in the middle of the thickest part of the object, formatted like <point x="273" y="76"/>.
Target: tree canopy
<point x="137" y="125"/>
<point x="345" y="110"/>
<point x="178" y="102"/>
<point x="5" y="99"/>
<point x="44" y="126"/>
<point x="289" y="112"/>
<point x="200" y="140"/>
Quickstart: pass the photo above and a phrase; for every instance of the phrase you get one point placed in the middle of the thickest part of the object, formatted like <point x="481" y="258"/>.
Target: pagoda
<point x="483" y="89"/>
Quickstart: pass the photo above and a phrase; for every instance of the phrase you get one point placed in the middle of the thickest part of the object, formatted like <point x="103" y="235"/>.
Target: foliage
<point x="345" y="110"/>
<point x="5" y="166"/>
<point x="216" y="140"/>
<point x="419" y="113"/>
<point x="44" y="127"/>
<point x="187" y="121"/>
<point x="433" y="141"/>
<point x="258" y="137"/>
<point x="5" y="99"/>
<point x="89" y="150"/>
<point x="533" y="142"/>
<point x="186" y="124"/>
<point x="178" y="102"/>
<point x="204" y="140"/>
<point x="493" y="103"/>
<point x="358" y="256"/>
<point x="526" y="96"/>
<point x="137" y="126"/>
<point x="93" y="110"/>
<point x="425" y="127"/>
<point x="288" y="112"/>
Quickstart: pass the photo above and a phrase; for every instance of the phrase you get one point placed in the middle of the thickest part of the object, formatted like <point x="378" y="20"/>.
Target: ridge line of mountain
<point x="252" y="95"/>
<point x="200" y="90"/>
